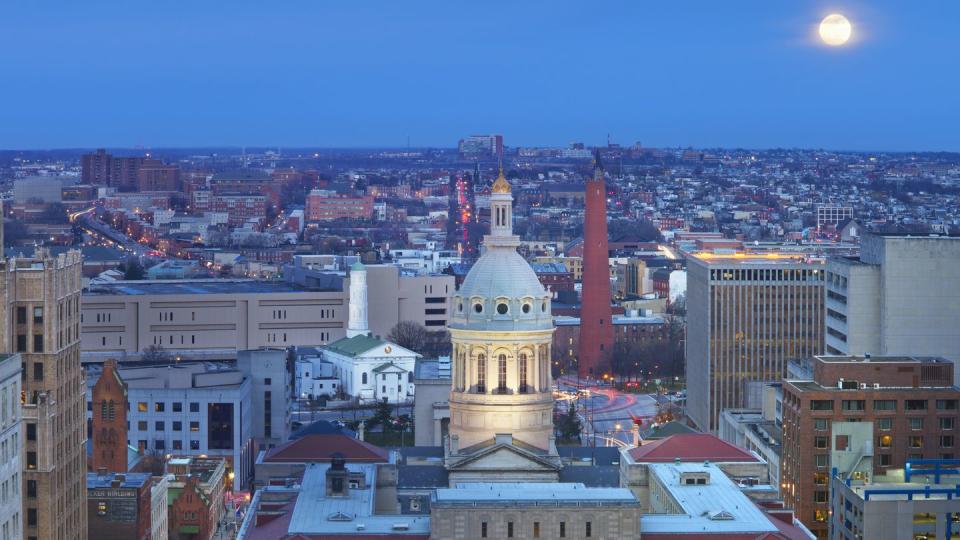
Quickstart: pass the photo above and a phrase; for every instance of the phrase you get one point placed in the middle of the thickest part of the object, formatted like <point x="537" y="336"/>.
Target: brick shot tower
<point x="110" y="421"/>
<point x="596" y="324"/>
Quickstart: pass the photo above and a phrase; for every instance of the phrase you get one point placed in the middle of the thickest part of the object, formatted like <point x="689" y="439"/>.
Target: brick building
<point x="240" y="208"/>
<point x="554" y="276"/>
<point x="196" y="498"/>
<point x="154" y="175"/>
<point x="626" y="329"/>
<point x="328" y="206"/>
<point x="911" y="404"/>
<point x="119" y="506"/>
<point x="95" y="167"/>
<point x="109" y="422"/>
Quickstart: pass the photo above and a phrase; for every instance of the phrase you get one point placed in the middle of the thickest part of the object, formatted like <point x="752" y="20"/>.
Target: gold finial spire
<point x="500" y="185"/>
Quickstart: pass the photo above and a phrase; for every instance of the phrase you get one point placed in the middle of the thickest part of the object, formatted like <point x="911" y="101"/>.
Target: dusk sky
<point x="373" y="73"/>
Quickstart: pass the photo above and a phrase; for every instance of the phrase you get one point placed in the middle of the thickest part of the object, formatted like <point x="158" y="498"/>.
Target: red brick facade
<point x="110" y="421"/>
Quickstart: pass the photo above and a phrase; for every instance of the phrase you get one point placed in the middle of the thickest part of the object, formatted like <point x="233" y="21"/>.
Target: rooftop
<point x="691" y="447"/>
<point x="355" y="345"/>
<point x="354" y="514"/>
<point x="541" y="494"/>
<point x="124" y="481"/>
<point x="321" y="448"/>
<point x="719" y="506"/>
<point x="194" y="286"/>
<point x="882" y="359"/>
<point x="741" y="258"/>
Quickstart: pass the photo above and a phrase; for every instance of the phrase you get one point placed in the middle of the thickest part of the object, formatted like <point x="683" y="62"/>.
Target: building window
<point x="142" y="406"/>
<point x="884" y="460"/>
<point x="32" y="489"/>
<point x="502" y="374"/>
<point x="884" y="424"/>
<point x="363" y="378"/>
<point x="31" y="432"/>
<point x="884" y="404"/>
<point x="158" y="406"/>
<point x="820" y="442"/>
<point x="481" y="374"/>
<point x="820" y="496"/>
<point x="821" y="424"/>
<point x="588" y="529"/>
<point x="946" y="404"/>
<point x="177" y="425"/>
<point x="195" y="426"/>
<point x="536" y="529"/>
<point x="194" y="445"/>
<point x="916" y="405"/>
<point x="38" y="315"/>
<point x="509" y="529"/>
<point x="946" y="441"/>
<point x="822" y="460"/>
<point x="916" y="441"/>
<point x="563" y="529"/>
<point x="31" y="460"/>
<point x="159" y="425"/>
<point x="853" y="405"/>
<point x="177" y="444"/>
<point x="194" y="406"/>
<point x="31" y="517"/>
<point x="21" y="315"/>
<point x="38" y="343"/>
<point x="142" y="425"/>
<point x="177" y="406"/>
<point x="483" y="529"/>
<point x="946" y="422"/>
<point x="821" y="405"/>
<point x="916" y="424"/>
<point x="885" y="441"/>
<point x="37" y="371"/>
<point x="158" y="444"/>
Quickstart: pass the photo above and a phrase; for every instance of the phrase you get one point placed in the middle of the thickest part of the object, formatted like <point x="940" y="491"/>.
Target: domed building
<point x="501" y="400"/>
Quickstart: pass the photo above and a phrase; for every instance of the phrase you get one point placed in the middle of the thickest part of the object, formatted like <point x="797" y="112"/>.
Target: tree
<point x="410" y="335"/>
<point x="132" y="269"/>
<point x="568" y="425"/>
<point x="154" y="353"/>
<point x="383" y="415"/>
<point x="54" y="213"/>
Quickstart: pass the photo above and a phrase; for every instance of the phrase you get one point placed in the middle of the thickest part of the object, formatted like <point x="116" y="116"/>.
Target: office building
<point x="11" y="442"/>
<point x="41" y="321"/>
<point x="195" y="501"/>
<point x="918" y="501"/>
<point x="596" y="314"/>
<point x="747" y="315"/>
<point x="215" y="318"/>
<point x="325" y="205"/>
<point x="154" y="175"/>
<point x="189" y="409"/>
<point x="900" y="297"/>
<point x="95" y="167"/>
<point x="890" y="409"/>
<point x="481" y="145"/>
<point x="270" y="392"/>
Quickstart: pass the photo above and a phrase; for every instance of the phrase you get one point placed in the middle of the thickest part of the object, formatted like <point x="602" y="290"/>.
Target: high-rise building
<point x="747" y="315"/>
<point x="154" y="175"/>
<point x="41" y="321"/>
<point x="11" y="440"/>
<point x="95" y="167"/>
<point x="901" y="296"/>
<point x="879" y="410"/>
<point x="109" y="422"/>
<point x="596" y="335"/>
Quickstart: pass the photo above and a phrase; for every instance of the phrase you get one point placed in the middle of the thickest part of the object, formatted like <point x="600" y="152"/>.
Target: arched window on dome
<point x="523" y="374"/>
<point x="481" y="374"/>
<point x="502" y="374"/>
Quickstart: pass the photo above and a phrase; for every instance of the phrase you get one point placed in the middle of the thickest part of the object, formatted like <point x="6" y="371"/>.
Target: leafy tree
<point x="383" y="415"/>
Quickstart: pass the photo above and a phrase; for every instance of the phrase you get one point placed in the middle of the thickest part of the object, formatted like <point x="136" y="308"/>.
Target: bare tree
<point x="154" y="353"/>
<point x="410" y="335"/>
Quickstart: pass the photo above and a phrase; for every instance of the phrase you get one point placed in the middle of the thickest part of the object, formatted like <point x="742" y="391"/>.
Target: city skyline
<point x="380" y="75"/>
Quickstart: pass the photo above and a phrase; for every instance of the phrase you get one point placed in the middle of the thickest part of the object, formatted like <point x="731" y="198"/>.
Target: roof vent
<point x="401" y="526"/>
<point x="361" y="527"/>
<point x="722" y="515"/>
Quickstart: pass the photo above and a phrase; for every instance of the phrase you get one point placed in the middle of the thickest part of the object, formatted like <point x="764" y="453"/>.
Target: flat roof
<point x="539" y="493"/>
<point x="316" y="513"/>
<point x="719" y="506"/>
<point x="852" y="359"/>
<point x="194" y="286"/>
<point x="773" y="258"/>
<point x="129" y="480"/>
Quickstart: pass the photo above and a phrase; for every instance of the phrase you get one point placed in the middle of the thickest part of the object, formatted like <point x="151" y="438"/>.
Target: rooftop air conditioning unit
<point x="876" y="386"/>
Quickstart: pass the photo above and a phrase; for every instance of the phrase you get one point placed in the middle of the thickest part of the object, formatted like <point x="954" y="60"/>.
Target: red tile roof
<point x="691" y="447"/>
<point x="318" y="448"/>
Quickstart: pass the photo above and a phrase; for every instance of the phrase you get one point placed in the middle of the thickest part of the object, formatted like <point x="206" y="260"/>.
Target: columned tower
<point x="596" y="316"/>
<point x="501" y="331"/>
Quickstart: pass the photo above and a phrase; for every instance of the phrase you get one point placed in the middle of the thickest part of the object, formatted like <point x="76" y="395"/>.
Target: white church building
<point x="369" y="369"/>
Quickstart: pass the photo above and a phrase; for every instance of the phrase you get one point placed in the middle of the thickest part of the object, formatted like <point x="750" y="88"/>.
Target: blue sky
<point x="374" y="72"/>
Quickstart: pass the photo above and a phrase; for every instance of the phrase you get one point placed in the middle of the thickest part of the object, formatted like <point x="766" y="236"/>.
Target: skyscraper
<point x="41" y="321"/>
<point x="747" y="315"/>
<point x="596" y="315"/>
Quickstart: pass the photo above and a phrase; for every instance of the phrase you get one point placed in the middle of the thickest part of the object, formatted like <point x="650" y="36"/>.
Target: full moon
<point x="835" y="30"/>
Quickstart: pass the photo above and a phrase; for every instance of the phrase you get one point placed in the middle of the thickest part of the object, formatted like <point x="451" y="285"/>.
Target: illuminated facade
<point x="747" y="315"/>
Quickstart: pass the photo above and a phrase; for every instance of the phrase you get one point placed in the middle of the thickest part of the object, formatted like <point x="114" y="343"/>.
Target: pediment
<point x="504" y="457"/>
